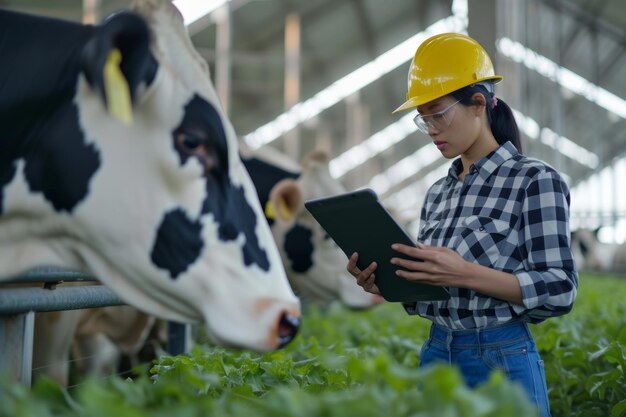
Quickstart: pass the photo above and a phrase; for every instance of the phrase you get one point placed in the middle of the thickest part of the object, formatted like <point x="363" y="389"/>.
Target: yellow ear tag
<point x="269" y="210"/>
<point x="282" y="207"/>
<point x="116" y="89"/>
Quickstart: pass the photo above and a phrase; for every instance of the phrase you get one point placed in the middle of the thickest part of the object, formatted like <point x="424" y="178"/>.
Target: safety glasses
<point x="438" y="121"/>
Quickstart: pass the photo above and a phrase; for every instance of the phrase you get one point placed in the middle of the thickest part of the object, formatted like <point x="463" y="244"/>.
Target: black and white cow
<point x="592" y="255"/>
<point x="315" y="265"/>
<point x="150" y="197"/>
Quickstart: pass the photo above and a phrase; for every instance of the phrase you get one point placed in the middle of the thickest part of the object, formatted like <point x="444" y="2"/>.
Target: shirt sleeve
<point x="549" y="280"/>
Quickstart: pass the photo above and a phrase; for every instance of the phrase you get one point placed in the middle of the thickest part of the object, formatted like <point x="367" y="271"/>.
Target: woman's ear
<point x="480" y="102"/>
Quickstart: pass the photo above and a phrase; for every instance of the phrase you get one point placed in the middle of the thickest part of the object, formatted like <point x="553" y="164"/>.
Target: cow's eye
<point x="188" y="141"/>
<point x="190" y="144"/>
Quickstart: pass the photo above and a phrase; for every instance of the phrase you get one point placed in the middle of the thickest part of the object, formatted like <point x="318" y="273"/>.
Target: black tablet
<point x="358" y="222"/>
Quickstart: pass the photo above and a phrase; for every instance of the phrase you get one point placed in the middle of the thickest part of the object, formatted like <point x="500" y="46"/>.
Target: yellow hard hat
<point x="445" y="63"/>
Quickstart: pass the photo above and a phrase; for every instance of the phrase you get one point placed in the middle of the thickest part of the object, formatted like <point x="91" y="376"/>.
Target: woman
<point x="494" y="231"/>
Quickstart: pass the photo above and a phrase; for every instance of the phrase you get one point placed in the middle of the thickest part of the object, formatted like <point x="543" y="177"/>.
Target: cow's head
<point x="143" y="188"/>
<point x="316" y="266"/>
<point x="589" y="253"/>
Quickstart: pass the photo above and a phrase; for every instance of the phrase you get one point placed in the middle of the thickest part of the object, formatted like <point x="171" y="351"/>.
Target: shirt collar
<point x="486" y="165"/>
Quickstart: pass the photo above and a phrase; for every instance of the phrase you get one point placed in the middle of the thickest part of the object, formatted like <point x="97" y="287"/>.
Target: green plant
<point x="347" y="363"/>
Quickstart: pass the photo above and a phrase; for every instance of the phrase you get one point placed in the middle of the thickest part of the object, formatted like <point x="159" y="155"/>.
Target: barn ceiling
<point x="563" y="60"/>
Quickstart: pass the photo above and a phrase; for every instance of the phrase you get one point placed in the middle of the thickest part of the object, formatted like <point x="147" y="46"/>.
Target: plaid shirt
<point x="510" y="213"/>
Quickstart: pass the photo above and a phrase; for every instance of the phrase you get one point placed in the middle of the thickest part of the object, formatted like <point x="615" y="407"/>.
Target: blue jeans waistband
<point x="508" y="333"/>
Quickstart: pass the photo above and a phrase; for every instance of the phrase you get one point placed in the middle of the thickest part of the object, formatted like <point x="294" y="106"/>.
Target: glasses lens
<point x="438" y="121"/>
<point x="421" y="124"/>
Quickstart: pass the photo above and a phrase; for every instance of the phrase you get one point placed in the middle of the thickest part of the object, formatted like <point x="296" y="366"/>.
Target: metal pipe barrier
<point x="18" y="304"/>
<point x="16" y="301"/>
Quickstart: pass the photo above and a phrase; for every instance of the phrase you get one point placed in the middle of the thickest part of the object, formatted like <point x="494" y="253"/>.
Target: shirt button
<point x="473" y="169"/>
<point x="481" y="228"/>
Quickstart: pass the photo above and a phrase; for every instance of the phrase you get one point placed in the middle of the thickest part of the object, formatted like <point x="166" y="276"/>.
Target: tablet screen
<point x="358" y="222"/>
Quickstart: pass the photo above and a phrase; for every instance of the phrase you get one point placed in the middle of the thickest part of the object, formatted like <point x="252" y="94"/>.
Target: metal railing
<point x="19" y="303"/>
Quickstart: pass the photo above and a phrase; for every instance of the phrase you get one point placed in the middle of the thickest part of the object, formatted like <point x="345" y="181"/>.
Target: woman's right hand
<point x="364" y="278"/>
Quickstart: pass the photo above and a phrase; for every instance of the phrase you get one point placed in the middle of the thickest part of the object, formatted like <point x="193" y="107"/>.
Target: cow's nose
<point x="287" y="328"/>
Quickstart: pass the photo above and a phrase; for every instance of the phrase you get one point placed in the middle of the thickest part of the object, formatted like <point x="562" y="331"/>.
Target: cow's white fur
<point x="111" y="232"/>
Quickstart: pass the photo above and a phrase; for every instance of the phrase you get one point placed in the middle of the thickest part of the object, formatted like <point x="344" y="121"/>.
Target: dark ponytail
<point x="500" y="117"/>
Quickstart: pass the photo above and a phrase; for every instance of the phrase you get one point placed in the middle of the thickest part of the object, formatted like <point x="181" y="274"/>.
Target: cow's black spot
<point x="38" y="119"/>
<point x="234" y="216"/>
<point x="252" y="252"/>
<point x="178" y="243"/>
<point x="225" y="201"/>
<point x="57" y="161"/>
<point x="299" y="248"/>
<point x="62" y="166"/>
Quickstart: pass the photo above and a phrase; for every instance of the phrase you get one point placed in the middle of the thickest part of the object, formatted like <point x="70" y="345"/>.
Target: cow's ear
<point x="120" y="47"/>
<point x="285" y="201"/>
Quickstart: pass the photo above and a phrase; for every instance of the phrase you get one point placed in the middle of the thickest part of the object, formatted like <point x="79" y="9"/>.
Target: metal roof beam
<point x="588" y="19"/>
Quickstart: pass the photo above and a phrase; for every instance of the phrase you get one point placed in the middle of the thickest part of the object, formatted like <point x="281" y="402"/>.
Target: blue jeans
<point x="509" y="347"/>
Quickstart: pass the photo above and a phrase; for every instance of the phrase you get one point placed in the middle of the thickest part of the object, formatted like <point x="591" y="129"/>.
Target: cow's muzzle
<point x="287" y="328"/>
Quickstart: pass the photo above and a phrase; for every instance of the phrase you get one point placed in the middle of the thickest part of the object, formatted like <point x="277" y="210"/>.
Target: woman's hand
<point x="432" y="265"/>
<point x="446" y="268"/>
<point x="364" y="278"/>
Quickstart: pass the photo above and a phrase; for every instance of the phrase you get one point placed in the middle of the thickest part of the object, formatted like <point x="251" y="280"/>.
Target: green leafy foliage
<point x="584" y="351"/>
<point x="359" y="363"/>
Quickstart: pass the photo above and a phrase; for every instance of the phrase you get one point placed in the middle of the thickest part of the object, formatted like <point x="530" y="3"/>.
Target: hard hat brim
<point x="410" y="103"/>
<point x="419" y="100"/>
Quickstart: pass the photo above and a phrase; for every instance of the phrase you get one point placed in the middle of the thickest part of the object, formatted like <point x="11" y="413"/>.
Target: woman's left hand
<point x="431" y="265"/>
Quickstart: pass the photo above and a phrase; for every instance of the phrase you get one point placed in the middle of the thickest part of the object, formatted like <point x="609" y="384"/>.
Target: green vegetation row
<point x="349" y="363"/>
